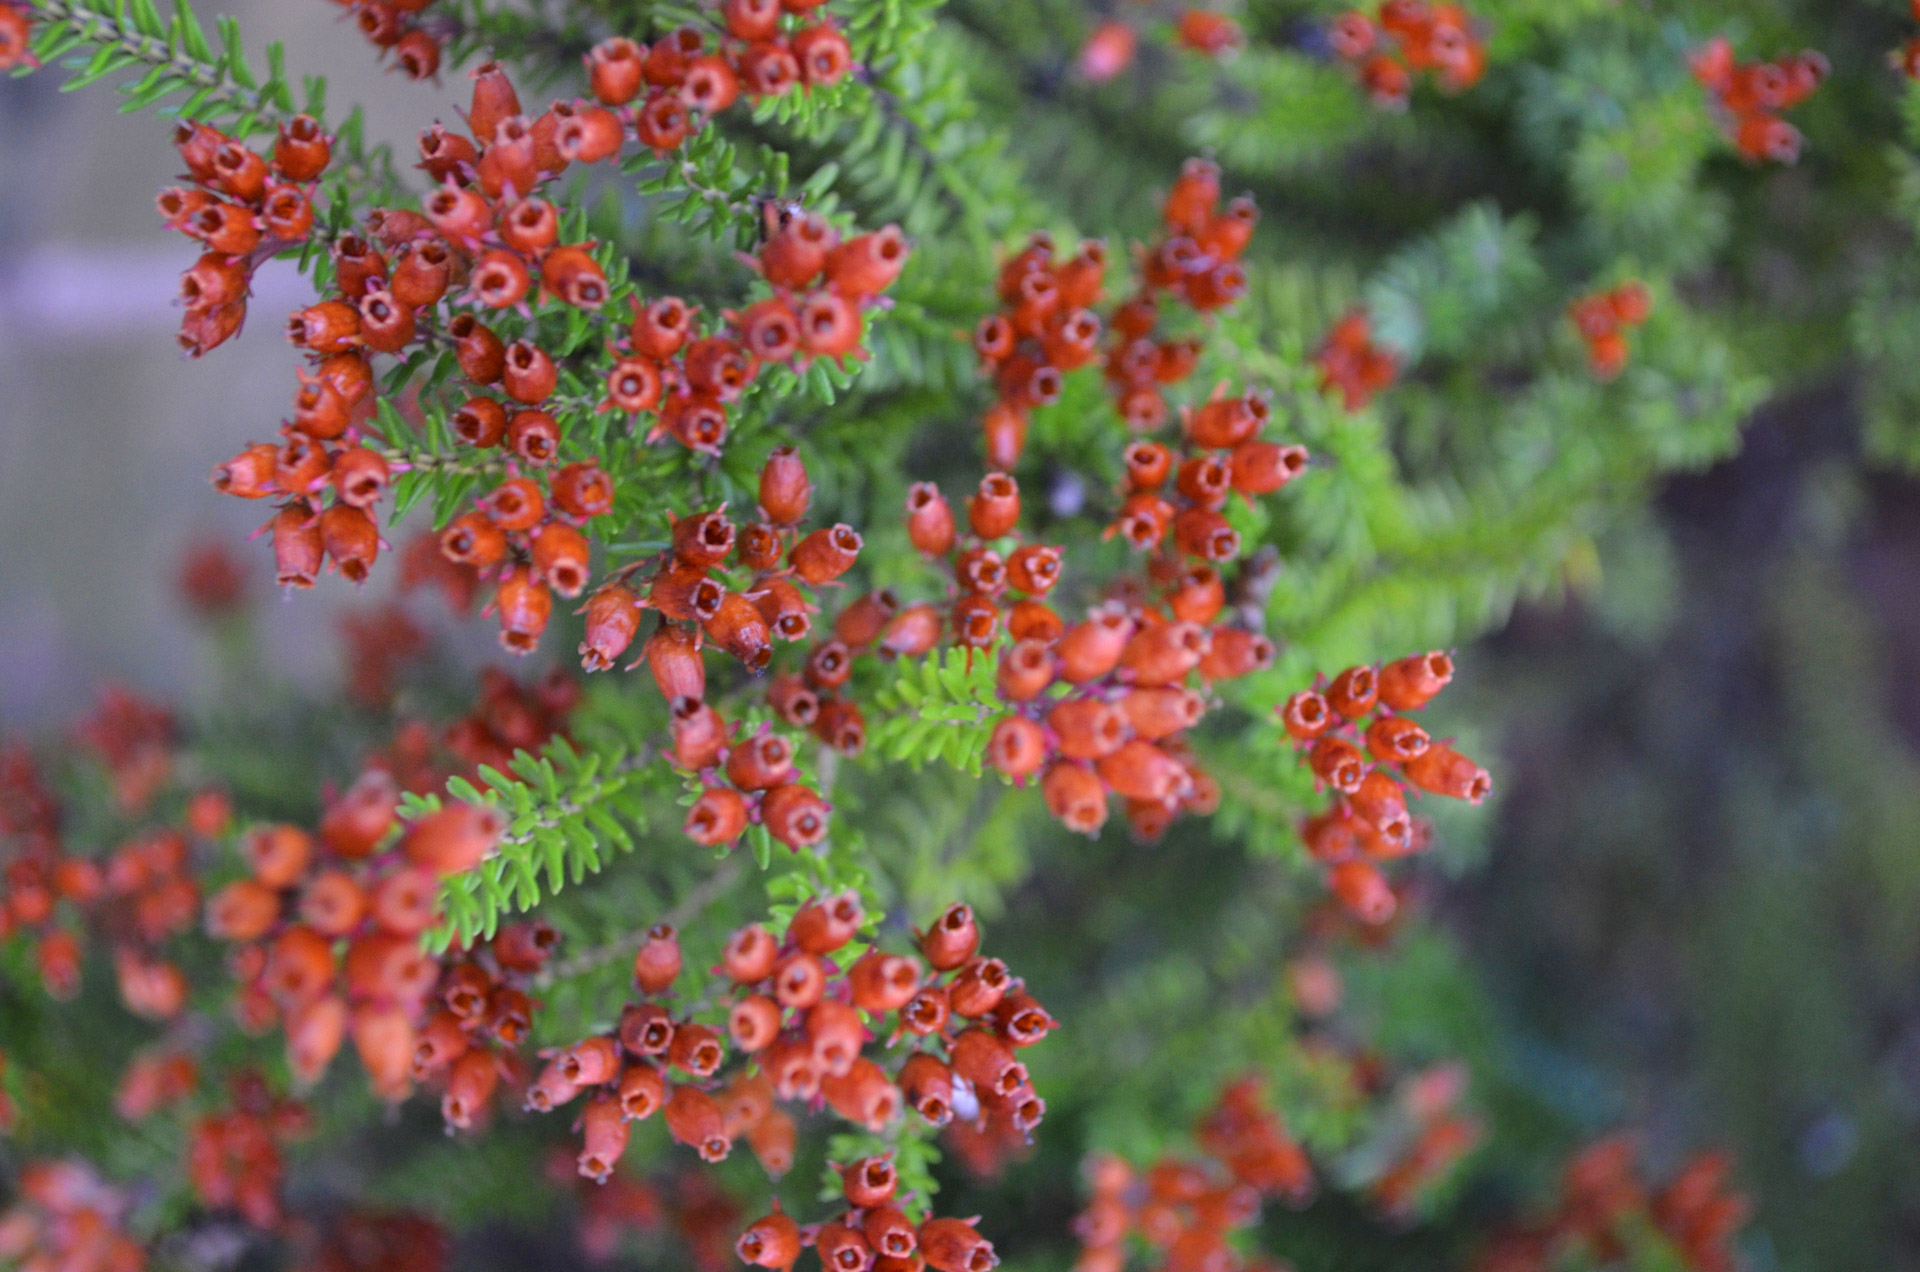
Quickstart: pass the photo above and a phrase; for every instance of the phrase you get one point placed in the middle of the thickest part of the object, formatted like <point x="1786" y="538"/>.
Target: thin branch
<point x="626" y="945"/>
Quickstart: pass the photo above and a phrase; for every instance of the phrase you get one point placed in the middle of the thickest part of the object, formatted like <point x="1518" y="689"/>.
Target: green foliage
<point x="102" y="38"/>
<point x="566" y="812"/>
<point x="940" y="708"/>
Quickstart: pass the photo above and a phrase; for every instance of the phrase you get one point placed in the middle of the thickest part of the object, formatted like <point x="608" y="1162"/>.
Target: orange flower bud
<point x="350" y="539"/>
<point x="439" y="1043"/>
<point x="772" y="1241"/>
<point x="739" y="628"/>
<point x="863" y="1095"/>
<point x="657" y="965"/>
<point x="332" y="903"/>
<point x="1363" y="890"/>
<point x="524" y="605"/>
<point x="772" y="1140"/>
<point x="867" y="264"/>
<point x="1004" y="427"/>
<point x="1087" y="728"/>
<point x="786" y="610"/>
<point x="1017" y="747"/>
<point x="1140" y="770"/>
<point x="604" y="1127"/>
<point x="642" y="1091"/>
<point x="693" y="1119"/>
<point x="1306" y="715"/>
<point x="1443" y="771"/>
<point x="824" y="925"/>
<point x="842" y="727"/>
<point x="1074" y="796"/>
<point x="753" y="1023"/>
<point x="529" y="375"/>
<point x="710" y="86"/>
<point x="590" y="1062"/>
<point x="699" y="734"/>
<point x="470" y="1087"/>
<point x="883" y="982"/>
<point x="614" y="70"/>
<point x="825" y="554"/>
<point x="613" y="616"/>
<point x="717" y="817"/>
<point x="457" y="837"/>
<point x="798" y="981"/>
<point x="835" y="1033"/>
<point x="1410" y="683"/>
<point x="244" y="910"/>
<point x="277" y="855"/>
<point x="749" y="954"/>
<point x="1236" y="652"/>
<point x="482" y="356"/>
<point x="794" y="815"/>
<point x="406" y="902"/>
<point x="581" y="490"/>
<point x="384" y="1039"/>
<point x="1157" y="712"/>
<point x="927" y="1085"/>
<point x="1035" y="621"/>
<point x="1354" y="692"/>
<point x="1161" y="653"/>
<point x="927" y="1012"/>
<point x="1092" y="649"/>
<point x="550" y="1090"/>
<point x="1260" y="468"/>
<point x="646" y="1029"/>
<point x="314" y="1034"/>
<point x="1396" y="739"/>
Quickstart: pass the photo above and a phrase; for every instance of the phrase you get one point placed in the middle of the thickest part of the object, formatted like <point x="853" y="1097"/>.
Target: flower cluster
<point x="821" y="285"/>
<point x="693" y="583"/>
<point x="67" y="1219"/>
<point x="1750" y="96"/>
<point x="135" y="739"/>
<point x="16" y="37"/>
<point x="326" y="927"/>
<point x="1352" y="363"/>
<point x="770" y="48"/>
<point x="485" y="242"/>
<point x="470" y="1040"/>
<point x="1603" y="320"/>
<point x="1409" y="36"/>
<point x="1434" y="1135"/>
<point x="233" y="1157"/>
<point x="1110" y="46"/>
<point x="509" y="717"/>
<point x="395" y="27"/>
<point x="803" y="1024"/>
<point x="139" y="897"/>
<point x="1048" y="327"/>
<point x="155" y="1079"/>
<point x="872" y="1235"/>
<point x="1355" y="734"/>
<point x="1101" y="706"/>
<point x="1606" y="1211"/>
<point x="1186" y="1208"/>
<point x="243" y="208"/>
